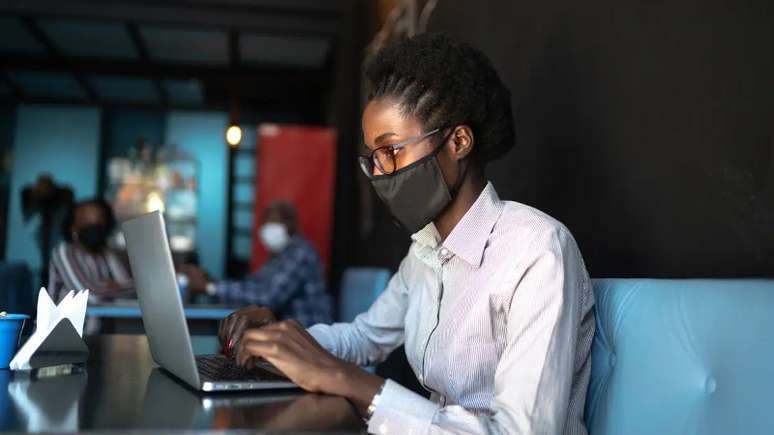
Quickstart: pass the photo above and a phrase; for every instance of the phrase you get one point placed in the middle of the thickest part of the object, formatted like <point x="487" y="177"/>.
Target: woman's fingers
<point x="261" y="317"/>
<point x="265" y="334"/>
<point x="231" y="328"/>
<point x="266" y="349"/>
<point x="224" y="326"/>
<point x="239" y="326"/>
<point x="272" y="342"/>
<point x="278" y="340"/>
<point x="249" y="352"/>
<point x="290" y="349"/>
<point x="301" y="333"/>
<point x="258" y="343"/>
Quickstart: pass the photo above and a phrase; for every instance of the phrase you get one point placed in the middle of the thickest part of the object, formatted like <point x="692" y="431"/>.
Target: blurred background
<point x="646" y="127"/>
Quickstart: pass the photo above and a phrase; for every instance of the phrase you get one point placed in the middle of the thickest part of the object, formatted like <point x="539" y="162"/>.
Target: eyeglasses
<point x="383" y="158"/>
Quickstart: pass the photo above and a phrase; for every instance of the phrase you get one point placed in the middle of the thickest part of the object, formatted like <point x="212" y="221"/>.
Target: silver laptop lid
<point x="162" y="309"/>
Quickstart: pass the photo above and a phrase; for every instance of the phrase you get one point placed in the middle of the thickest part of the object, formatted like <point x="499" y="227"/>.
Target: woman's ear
<point x="462" y="142"/>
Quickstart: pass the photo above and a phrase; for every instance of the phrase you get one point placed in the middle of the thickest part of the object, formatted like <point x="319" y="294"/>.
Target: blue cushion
<point x="359" y="289"/>
<point x="682" y="357"/>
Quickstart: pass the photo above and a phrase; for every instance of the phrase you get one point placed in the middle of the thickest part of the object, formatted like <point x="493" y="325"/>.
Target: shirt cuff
<point x="401" y="411"/>
<point x="321" y="333"/>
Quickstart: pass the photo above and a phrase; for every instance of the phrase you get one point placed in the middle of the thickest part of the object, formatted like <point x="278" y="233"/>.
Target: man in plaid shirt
<point x="291" y="282"/>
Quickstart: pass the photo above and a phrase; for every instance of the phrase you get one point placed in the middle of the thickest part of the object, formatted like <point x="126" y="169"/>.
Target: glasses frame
<point x="369" y="162"/>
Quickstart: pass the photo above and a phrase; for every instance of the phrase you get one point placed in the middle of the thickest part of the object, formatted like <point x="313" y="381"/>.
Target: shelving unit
<point x="240" y="220"/>
<point x="167" y="182"/>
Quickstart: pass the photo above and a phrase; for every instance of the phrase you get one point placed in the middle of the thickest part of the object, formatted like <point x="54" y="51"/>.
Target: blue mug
<point x="10" y="332"/>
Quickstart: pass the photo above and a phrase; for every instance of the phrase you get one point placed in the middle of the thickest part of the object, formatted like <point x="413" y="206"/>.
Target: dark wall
<point x="7" y="130"/>
<point x="646" y="127"/>
<point x="344" y="114"/>
<point x="124" y="128"/>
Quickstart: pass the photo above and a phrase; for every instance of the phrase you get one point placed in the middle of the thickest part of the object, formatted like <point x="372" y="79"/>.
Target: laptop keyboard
<point x="219" y="368"/>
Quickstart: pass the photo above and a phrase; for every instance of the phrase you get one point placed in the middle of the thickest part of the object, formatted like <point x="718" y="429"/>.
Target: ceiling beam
<point x="110" y="104"/>
<point x="295" y="76"/>
<point x="286" y="6"/>
<point x="262" y="17"/>
<point x="53" y="51"/>
<point x="288" y="106"/>
<point x="142" y="52"/>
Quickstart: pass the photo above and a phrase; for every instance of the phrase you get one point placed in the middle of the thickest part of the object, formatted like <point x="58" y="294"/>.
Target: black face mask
<point x="94" y="237"/>
<point x="416" y="194"/>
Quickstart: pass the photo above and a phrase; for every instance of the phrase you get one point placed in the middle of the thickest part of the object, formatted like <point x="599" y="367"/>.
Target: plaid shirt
<point x="290" y="284"/>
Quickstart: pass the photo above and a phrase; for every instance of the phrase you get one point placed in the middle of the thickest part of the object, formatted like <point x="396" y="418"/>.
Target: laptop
<point x="164" y="320"/>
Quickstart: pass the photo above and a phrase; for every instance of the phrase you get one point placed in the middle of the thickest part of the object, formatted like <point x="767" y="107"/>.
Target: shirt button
<point x="444" y="252"/>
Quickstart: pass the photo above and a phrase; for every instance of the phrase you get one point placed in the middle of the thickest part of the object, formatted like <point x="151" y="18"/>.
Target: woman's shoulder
<point x="523" y="224"/>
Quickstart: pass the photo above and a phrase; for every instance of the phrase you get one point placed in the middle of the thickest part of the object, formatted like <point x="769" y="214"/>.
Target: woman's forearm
<point x="358" y="386"/>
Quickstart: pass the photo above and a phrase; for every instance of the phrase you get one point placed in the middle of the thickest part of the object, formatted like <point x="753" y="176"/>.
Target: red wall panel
<point x="297" y="164"/>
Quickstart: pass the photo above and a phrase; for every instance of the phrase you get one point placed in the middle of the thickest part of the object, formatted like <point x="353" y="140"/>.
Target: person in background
<point x="83" y="260"/>
<point x="290" y="283"/>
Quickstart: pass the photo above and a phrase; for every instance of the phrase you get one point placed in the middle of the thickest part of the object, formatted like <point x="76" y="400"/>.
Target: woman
<point x="83" y="261"/>
<point x="492" y="301"/>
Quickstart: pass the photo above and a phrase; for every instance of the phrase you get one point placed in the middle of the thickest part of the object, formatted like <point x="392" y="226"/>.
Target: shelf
<point x="244" y="179"/>
<point x="243" y="205"/>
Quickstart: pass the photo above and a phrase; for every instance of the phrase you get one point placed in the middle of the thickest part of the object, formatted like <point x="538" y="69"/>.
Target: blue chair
<point x="16" y="292"/>
<point x="682" y="357"/>
<point x="359" y="289"/>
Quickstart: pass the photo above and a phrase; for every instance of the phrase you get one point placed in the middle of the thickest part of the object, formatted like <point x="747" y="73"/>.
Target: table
<point x="122" y="390"/>
<point x="126" y="317"/>
<point x="132" y="311"/>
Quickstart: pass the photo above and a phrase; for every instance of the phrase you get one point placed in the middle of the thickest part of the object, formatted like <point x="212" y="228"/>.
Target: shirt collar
<point x="469" y="237"/>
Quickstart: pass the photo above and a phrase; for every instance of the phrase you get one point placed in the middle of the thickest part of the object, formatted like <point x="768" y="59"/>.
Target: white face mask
<point x="274" y="236"/>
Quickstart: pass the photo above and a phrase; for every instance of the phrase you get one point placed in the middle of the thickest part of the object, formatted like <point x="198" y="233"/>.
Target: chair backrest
<point x="16" y="292"/>
<point x="682" y="357"/>
<point x="360" y="287"/>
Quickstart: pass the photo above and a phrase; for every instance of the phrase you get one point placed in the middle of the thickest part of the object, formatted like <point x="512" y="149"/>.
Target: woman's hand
<point x="231" y="328"/>
<point x="293" y="351"/>
<point x="290" y="348"/>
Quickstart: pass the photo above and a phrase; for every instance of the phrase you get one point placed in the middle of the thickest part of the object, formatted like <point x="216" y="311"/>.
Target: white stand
<point x="58" y="336"/>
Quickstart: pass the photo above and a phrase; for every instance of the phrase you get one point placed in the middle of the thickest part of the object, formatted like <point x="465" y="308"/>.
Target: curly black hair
<point x="443" y="82"/>
<point x="69" y="217"/>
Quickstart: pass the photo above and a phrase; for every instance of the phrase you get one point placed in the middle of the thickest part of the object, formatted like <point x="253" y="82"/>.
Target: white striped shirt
<point x="497" y="321"/>
<point x="73" y="268"/>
